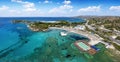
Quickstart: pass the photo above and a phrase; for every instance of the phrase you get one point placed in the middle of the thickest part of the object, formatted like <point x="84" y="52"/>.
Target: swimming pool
<point x="83" y="46"/>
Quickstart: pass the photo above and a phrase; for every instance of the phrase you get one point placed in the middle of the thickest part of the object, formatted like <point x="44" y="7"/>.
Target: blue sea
<point x="19" y="44"/>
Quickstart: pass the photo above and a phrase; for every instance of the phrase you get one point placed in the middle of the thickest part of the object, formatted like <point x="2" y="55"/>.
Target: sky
<point x="58" y="8"/>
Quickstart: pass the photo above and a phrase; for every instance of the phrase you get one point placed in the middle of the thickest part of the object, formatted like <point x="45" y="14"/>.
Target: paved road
<point x="115" y="41"/>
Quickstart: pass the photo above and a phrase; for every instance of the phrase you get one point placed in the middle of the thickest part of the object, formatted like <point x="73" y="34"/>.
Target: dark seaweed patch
<point x="68" y="56"/>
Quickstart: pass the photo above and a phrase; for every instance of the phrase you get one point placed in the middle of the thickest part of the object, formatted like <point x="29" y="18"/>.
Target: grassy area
<point x="118" y="38"/>
<point x="116" y="46"/>
<point x="108" y="23"/>
<point x="113" y="53"/>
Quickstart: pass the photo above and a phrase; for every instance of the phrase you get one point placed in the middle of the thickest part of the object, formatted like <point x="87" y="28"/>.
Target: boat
<point x="63" y="33"/>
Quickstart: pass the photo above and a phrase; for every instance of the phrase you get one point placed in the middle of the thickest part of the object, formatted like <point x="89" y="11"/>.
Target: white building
<point x="80" y="27"/>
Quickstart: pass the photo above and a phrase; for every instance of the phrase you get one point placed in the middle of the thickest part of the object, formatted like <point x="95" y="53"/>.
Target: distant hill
<point x="100" y="17"/>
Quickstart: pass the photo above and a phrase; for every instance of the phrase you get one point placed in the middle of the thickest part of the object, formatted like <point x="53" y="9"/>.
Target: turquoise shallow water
<point x="43" y="39"/>
<point x="50" y="46"/>
<point x="7" y="38"/>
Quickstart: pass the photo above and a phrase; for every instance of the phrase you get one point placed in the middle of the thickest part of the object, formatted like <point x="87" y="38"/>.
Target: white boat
<point x="63" y="33"/>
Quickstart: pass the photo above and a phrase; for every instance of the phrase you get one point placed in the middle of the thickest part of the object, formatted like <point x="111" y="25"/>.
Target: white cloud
<point x="46" y="1"/>
<point x="28" y="9"/>
<point x="19" y="1"/>
<point x="4" y="8"/>
<point x="67" y="2"/>
<point x="28" y="6"/>
<point x="14" y="11"/>
<point x="63" y="9"/>
<point x="115" y="8"/>
<point x="90" y="9"/>
<point x="66" y="7"/>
